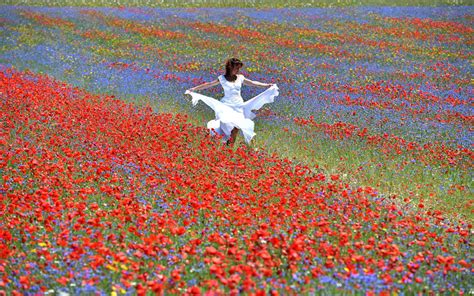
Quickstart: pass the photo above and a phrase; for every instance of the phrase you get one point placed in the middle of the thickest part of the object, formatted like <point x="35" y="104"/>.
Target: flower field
<point x="359" y="178"/>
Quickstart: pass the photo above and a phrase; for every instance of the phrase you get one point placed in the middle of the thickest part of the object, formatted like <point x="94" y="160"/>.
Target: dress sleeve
<point x="242" y="78"/>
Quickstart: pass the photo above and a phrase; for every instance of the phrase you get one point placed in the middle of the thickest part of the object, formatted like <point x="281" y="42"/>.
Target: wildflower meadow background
<point x="358" y="181"/>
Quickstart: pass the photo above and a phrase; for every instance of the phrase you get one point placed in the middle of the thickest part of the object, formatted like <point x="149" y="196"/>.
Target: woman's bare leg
<point x="233" y="136"/>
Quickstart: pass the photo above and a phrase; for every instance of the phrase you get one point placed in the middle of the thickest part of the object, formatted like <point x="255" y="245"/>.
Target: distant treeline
<point x="239" y="3"/>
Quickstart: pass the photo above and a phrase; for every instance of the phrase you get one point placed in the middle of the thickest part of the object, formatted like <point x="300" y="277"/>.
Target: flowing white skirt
<point x="238" y="115"/>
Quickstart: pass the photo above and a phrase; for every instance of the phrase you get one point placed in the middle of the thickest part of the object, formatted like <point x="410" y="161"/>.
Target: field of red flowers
<point x="101" y="196"/>
<point x="359" y="180"/>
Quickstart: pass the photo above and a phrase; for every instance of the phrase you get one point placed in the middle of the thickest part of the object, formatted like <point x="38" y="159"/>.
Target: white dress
<point x="231" y="111"/>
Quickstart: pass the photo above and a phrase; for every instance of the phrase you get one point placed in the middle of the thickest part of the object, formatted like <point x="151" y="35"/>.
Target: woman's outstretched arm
<point x="256" y="83"/>
<point x="205" y="85"/>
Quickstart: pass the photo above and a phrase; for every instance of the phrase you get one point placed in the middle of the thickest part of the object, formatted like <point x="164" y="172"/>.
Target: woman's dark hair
<point x="229" y="66"/>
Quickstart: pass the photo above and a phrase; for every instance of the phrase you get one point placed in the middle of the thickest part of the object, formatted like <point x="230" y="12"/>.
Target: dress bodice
<point x="232" y="89"/>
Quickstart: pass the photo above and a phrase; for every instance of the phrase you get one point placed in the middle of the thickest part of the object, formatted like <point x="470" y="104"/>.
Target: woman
<point x="232" y="113"/>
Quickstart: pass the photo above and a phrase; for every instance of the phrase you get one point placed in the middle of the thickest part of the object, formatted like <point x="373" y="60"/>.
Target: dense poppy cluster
<point x="99" y="195"/>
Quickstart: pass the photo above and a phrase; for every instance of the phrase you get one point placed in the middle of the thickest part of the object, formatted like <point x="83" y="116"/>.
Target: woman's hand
<point x="256" y="83"/>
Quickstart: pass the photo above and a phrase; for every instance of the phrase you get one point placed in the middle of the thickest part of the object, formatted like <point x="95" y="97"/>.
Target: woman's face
<point x="235" y="70"/>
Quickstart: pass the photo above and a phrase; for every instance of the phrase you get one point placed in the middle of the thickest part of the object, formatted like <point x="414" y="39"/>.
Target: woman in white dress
<point x="232" y="113"/>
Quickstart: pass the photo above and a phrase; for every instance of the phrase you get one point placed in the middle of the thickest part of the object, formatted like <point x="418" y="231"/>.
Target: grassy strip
<point x="240" y="3"/>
